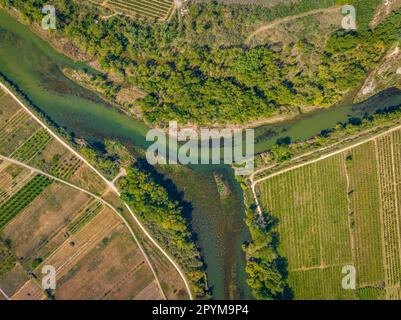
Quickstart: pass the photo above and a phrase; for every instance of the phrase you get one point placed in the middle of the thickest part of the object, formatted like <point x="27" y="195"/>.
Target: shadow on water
<point x="171" y="188"/>
<point x="308" y="125"/>
<point x="218" y="220"/>
<point x="34" y="67"/>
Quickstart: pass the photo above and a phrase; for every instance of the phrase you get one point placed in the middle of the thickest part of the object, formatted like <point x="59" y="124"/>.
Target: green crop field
<point x="343" y="210"/>
<point x="158" y="9"/>
<point x="32" y="146"/>
<point x="22" y="199"/>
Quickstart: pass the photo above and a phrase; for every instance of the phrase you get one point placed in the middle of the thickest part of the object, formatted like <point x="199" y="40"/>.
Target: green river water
<point x="218" y="222"/>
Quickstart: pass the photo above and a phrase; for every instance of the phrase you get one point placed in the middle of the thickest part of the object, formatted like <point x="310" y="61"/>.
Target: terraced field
<point x="155" y="9"/>
<point x="342" y="210"/>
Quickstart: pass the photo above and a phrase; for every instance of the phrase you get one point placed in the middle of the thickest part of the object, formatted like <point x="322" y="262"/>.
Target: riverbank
<point x="34" y="67"/>
<point x="66" y="47"/>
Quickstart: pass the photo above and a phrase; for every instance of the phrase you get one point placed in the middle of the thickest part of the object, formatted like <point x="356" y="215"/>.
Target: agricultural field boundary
<point x="19" y="163"/>
<point x="4" y="294"/>
<point x="110" y="184"/>
<point x="328" y="155"/>
<point x="155" y="9"/>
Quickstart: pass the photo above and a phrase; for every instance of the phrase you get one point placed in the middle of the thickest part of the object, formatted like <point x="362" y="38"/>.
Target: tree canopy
<point x="193" y="73"/>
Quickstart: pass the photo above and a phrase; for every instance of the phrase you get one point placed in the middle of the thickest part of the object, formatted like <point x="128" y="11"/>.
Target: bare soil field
<point x="148" y="293"/>
<point x="87" y="179"/>
<point x="100" y="261"/>
<point x="35" y="226"/>
<point x="94" y="253"/>
<point x="8" y="109"/>
<point x="31" y="290"/>
<point x="113" y="269"/>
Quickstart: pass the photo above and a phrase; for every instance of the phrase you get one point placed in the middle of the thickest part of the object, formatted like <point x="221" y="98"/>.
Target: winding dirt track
<point x="286" y="19"/>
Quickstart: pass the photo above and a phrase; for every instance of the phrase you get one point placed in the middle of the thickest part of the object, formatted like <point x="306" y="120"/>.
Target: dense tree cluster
<point x="281" y="152"/>
<point x="108" y="164"/>
<point x="266" y="270"/>
<point x="195" y="70"/>
<point x="165" y="218"/>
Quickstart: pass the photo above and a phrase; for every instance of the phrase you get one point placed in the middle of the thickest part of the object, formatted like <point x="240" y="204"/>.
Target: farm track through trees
<point x="274" y="23"/>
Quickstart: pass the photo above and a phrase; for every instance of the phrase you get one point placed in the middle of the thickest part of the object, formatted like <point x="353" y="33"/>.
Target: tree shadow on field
<point x="282" y="266"/>
<point x="281" y="263"/>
